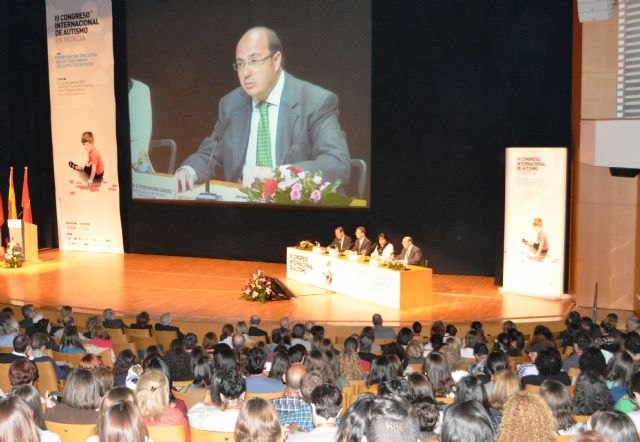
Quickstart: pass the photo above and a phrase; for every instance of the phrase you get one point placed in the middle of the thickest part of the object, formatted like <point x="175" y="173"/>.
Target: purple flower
<point x="315" y="196"/>
<point x="297" y="187"/>
<point x="295" y="195"/>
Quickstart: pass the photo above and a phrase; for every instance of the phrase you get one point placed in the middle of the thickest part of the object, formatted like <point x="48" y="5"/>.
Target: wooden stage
<point x="200" y="289"/>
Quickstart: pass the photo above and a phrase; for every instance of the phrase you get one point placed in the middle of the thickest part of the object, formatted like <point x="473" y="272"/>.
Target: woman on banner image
<point x="94" y="167"/>
<point x="540" y="247"/>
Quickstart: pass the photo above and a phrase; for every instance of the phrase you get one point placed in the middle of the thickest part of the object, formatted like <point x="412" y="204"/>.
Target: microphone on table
<point x="219" y="131"/>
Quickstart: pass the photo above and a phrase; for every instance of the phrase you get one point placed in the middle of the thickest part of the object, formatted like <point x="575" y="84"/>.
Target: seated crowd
<point x="295" y="383"/>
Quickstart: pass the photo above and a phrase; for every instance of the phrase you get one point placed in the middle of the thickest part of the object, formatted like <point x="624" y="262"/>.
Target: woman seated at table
<point x="382" y="248"/>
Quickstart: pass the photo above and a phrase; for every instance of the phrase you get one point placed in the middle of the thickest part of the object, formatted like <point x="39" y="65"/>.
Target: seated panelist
<point x="362" y="244"/>
<point x="341" y="242"/>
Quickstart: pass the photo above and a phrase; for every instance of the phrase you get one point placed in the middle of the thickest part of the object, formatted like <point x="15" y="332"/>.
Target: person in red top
<point x="540" y="247"/>
<point x="94" y="168"/>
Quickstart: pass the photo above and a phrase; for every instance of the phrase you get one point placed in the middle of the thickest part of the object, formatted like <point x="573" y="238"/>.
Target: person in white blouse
<point x="382" y="248"/>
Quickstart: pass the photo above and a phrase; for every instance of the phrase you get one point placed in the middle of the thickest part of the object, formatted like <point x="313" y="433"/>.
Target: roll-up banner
<point x="535" y="216"/>
<point x="80" y="44"/>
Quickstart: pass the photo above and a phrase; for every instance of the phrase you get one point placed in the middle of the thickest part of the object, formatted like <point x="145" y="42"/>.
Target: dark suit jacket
<point x="414" y="258"/>
<point x="308" y="135"/>
<point x="162" y="327"/>
<point x="8" y="358"/>
<point x="346" y="243"/>
<point x="363" y="247"/>
<point x="255" y="331"/>
<point x="113" y="323"/>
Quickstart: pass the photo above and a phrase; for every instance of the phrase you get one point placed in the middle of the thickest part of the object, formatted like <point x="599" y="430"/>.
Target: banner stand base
<point x="551" y="297"/>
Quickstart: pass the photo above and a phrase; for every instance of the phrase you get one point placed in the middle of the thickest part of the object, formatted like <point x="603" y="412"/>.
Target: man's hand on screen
<point x="185" y="180"/>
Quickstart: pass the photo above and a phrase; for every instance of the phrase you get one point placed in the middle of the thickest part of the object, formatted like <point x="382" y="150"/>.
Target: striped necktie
<point x="263" y="145"/>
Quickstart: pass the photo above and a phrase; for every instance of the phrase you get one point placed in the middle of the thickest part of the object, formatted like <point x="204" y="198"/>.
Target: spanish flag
<point x="12" y="212"/>
<point x="1" y="212"/>
<point x="26" y="199"/>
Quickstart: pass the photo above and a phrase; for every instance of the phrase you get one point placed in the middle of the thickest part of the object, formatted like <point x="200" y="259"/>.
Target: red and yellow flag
<point x="1" y="212"/>
<point x="12" y="212"/>
<point x="26" y="199"/>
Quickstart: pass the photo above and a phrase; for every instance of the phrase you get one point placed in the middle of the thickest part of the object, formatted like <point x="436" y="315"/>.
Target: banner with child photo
<point x="80" y="44"/>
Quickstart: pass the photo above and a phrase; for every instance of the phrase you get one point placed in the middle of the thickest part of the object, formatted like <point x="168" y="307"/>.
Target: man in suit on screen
<point x="272" y="119"/>
<point x="410" y="253"/>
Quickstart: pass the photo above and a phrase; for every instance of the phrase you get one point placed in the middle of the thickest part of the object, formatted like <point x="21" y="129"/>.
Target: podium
<point x="25" y="234"/>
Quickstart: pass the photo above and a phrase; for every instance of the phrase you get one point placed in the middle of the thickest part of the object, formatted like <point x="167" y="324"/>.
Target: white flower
<point x="317" y="180"/>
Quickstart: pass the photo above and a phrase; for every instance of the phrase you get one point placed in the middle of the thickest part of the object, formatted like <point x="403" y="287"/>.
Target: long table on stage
<point x="397" y="289"/>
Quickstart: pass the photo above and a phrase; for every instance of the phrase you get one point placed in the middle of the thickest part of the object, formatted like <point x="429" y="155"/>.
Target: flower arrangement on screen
<point x="293" y="186"/>
<point x="258" y="288"/>
<point x="13" y="255"/>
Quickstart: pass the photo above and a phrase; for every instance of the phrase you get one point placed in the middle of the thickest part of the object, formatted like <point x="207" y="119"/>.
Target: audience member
<point x="549" y="365"/>
<point x="110" y="320"/>
<point x="39" y="344"/>
<point x="326" y="405"/>
<point x="126" y="362"/>
<point x="437" y="370"/>
<point x="30" y="395"/>
<point x="142" y="322"/>
<point x="179" y="361"/>
<point x="152" y="395"/>
<point x="22" y="372"/>
<point x="21" y="350"/>
<point x="164" y="324"/>
<point x="258" y="422"/>
<point x="505" y="385"/>
<point x="618" y="374"/>
<point x="257" y="382"/>
<point x="355" y="419"/>
<point x="557" y="398"/>
<point x="351" y="366"/>
<point x="591" y="394"/>
<point x="466" y="422"/>
<point x="17" y="422"/>
<point x="391" y="420"/>
<point x="537" y="345"/>
<point x="80" y="400"/>
<point x="613" y="425"/>
<point x="592" y="359"/>
<point x="9" y="329"/>
<point x="526" y="416"/>
<point x="254" y="329"/>
<point x="379" y="330"/>
<point x="397" y="387"/>
<point x="297" y="337"/>
<point x="220" y="418"/>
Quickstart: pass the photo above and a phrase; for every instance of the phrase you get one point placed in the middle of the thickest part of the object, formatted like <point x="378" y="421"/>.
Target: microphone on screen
<point x="220" y="129"/>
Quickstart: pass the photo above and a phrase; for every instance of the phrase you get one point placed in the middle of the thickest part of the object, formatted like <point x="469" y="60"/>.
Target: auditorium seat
<point x="142" y="333"/>
<point x="5" y="385"/>
<point x="265" y="396"/>
<point x="167" y="433"/>
<point x="71" y="432"/>
<point x="118" y="347"/>
<point x="581" y="418"/>
<point x="210" y="436"/>
<point x="47" y="379"/>
<point x="164" y="338"/>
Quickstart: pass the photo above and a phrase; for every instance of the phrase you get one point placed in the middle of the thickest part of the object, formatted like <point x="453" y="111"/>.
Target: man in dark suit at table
<point x="341" y="242"/>
<point x="272" y="119"/>
<point x="410" y="252"/>
<point x="361" y="245"/>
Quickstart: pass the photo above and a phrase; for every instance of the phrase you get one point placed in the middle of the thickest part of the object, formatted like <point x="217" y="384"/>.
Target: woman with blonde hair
<point x="258" y="422"/>
<point x="152" y="395"/>
<point x="349" y="361"/>
<point x="505" y="386"/>
<point x="527" y="417"/>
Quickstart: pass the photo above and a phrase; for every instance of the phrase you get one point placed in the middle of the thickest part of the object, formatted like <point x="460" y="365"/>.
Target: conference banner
<point x="534" y="229"/>
<point x="80" y="44"/>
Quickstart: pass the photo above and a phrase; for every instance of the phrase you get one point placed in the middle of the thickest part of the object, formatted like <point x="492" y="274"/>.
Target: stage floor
<point x="200" y="289"/>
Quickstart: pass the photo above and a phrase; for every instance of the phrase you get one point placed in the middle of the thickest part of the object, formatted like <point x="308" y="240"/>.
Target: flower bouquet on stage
<point x="262" y="288"/>
<point x="13" y="255"/>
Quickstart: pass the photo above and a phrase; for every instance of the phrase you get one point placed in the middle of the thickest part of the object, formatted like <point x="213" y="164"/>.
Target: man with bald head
<point x="272" y="119"/>
<point x="291" y="407"/>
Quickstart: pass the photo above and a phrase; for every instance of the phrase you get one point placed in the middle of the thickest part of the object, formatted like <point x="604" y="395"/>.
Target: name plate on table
<point x="154" y="186"/>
